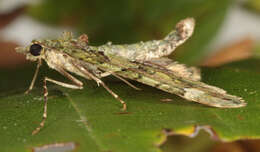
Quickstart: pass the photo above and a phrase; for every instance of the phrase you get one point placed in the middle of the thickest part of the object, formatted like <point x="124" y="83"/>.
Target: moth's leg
<point x="125" y="81"/>
<point x="122" y="79"/>
<point x="34" y="77"/>
<point x="105" y="74"/>
<point x="87" y="73"/>
<point x="77" y="85"/>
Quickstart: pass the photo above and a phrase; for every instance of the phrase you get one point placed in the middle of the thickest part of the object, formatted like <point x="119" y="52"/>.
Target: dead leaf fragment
<point x="8" y="17"/>
<point x="237" y="51"/>
<point x="9" y="57"/>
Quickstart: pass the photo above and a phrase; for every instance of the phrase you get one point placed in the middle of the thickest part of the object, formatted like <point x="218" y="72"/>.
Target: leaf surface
<point x="92" y="120"/>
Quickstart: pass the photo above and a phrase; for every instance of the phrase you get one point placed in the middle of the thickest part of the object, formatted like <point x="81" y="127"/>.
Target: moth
<point x="145" y="62"/>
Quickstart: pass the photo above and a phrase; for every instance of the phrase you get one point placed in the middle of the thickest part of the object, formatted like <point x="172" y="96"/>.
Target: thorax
<point x="57" y="60"/>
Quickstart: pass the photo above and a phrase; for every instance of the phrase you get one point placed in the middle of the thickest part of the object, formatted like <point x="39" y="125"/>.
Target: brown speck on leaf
<point x="240" y="117"/>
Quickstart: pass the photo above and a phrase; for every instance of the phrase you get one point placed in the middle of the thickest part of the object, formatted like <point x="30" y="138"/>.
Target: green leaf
<point x="92" y="120"/>
<point x="133" y="20"/>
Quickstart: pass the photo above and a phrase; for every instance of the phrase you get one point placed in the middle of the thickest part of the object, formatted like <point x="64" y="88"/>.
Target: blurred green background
<point x="131" y="21"/>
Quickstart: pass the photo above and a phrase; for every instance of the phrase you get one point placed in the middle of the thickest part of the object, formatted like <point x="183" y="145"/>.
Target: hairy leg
<point x="120" y="78"/>
<point x="34" y="77"/>
<point x="76" y="85"/>
<point x="89" y="74"/>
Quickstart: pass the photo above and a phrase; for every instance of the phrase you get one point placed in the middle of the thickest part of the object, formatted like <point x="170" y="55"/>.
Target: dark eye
<point x="35" y="49"/>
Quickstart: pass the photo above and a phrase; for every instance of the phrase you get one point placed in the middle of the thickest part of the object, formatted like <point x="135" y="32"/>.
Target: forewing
<point x="178" y="69"/>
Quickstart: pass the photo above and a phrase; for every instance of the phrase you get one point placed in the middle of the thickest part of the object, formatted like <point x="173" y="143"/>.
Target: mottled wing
<point x="168" y="81"/>
<point x="156" y="75"/>
<point x="181" y="70"/>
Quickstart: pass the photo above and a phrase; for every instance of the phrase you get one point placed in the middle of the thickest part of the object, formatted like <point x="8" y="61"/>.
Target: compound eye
<point x="35" y="49"/>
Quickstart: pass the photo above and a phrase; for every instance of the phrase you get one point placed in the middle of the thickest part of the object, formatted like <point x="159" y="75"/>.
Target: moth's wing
<point x="181" y="70"/>
<point x="87" y="59"/>
<point x="156" y="73"/>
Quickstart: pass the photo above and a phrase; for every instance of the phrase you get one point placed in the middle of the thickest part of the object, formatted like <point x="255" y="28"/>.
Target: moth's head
<point x="37" y="49"/>
<point x="33" y="52"/>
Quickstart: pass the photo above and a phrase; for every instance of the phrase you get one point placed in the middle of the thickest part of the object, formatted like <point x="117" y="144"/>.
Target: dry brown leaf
<point x="228" y="147"/>
<point x="237" y="51"/>
<point x="251" y="145"/>
<point x="9" y="57"/>
<point x="8" y="17"/>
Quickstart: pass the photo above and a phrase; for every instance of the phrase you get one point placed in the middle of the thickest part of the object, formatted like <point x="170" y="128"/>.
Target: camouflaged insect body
<point x="145" y="62"/>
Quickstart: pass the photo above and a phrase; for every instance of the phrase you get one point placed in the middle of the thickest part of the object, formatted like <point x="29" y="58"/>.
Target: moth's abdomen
<point x="183" y="30"/>
<point x="145" y="51"/>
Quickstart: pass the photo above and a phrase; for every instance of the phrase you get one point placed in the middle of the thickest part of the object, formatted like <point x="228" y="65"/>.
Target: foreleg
<point x="77" y="85"/>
